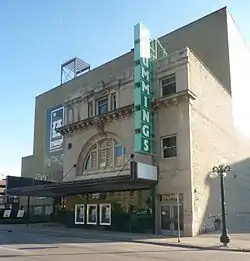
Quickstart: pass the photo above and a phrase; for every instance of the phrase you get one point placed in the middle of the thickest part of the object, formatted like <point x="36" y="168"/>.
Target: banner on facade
<point x="55" y="120"/>
<point x="54" y="140"/>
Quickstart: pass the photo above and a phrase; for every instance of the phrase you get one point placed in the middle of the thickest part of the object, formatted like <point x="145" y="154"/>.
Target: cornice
<point x="124" y="112"/>
<point x="98" y="121"/>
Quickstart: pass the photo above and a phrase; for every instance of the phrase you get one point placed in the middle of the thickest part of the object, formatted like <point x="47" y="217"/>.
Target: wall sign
<point x="143" y="123"/>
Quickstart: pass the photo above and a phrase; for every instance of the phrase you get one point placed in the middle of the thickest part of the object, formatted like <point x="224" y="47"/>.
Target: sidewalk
<point x="239" y="242"/>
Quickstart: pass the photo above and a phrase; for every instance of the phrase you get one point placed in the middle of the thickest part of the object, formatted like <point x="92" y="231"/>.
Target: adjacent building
<point x="175" y="120"/>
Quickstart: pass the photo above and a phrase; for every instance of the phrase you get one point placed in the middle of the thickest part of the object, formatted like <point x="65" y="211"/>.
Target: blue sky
<point x="37" y="36"/>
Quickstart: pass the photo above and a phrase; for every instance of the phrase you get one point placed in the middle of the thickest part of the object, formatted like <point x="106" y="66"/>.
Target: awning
<point x="133" y="181"/>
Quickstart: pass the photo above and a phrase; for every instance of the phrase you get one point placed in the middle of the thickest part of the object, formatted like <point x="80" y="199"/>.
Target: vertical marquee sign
<point x="143" y="122"/>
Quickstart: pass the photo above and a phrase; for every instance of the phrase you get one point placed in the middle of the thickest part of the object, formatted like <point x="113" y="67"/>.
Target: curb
<point x="211" y="248"/>
<point x="180" y="245"/>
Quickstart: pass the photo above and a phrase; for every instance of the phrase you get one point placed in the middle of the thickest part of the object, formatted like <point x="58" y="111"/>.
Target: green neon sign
<point x="143" y="123"/>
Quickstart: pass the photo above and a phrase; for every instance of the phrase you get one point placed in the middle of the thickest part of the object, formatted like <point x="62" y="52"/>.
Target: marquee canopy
<point x="142" y="176"/>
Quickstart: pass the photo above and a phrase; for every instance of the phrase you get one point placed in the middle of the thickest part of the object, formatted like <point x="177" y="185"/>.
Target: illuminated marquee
<point x="143" y="123"/>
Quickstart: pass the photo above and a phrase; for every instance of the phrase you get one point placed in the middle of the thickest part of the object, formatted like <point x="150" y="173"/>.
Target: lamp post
<point x="221" y="171"/>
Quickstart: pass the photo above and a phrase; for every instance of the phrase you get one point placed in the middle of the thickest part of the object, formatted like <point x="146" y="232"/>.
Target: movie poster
<point x="79" y="214"/>
<point x="105" y="214"/>
<point x="92" y="214"/>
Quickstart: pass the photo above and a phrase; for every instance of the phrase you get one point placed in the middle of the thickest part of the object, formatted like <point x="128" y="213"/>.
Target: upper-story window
<point x="168" y="85"/>
<point x="102" y="106"/>
<point x="113" y="101"/>
<point x="90" y="109"/>
<point x="69" y="115"/>
<point x="169" y="147"/>
<point x="107" y="153"/>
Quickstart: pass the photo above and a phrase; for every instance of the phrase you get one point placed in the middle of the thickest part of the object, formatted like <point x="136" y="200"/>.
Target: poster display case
<point x="79" y="213"/>
<point x="92" y="214"/>
<point x="7" y="213"/>
<point x="105" y="214"/>
<point x="20" y="213"/>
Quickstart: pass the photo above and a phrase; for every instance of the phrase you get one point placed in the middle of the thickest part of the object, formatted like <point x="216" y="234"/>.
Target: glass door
<point x="169" y="218"/>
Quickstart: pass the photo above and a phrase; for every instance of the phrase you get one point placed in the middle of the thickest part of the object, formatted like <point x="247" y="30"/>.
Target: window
<point x="168" y="85"/>
<point x="48" y="210"/>
<point x="37" y="210"/>
<point x="70" y="115"/>
<point x="90" y="109"/>
<point x="105" y="154"/>
<point x="113" y="101"/>
<point x="169" y="147"/>
<point x="102" y="106"/>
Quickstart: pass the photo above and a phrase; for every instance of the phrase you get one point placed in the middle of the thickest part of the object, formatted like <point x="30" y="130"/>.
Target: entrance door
<point x="175" y="217"/>
<point x="169" y="219"/>
<point x="166" y="218"/>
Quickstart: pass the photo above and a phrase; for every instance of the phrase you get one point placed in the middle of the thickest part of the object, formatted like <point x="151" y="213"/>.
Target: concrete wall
<point x="239" y="55"/>
<point x="206" y="37"/>
<point x="215" y="141"/>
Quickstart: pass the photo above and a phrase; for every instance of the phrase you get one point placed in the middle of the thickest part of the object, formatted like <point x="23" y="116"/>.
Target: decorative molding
<point x="173" y="99"/>
<point x="97" y="121"/>
<point x="99" y="125"/>
<point x="125" y="112"/>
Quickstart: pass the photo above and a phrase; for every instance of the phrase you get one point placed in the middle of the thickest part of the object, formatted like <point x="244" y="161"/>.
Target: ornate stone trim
<point x="125" y="112"/>
<point x="98" y="121"/>
<point x="173" y="99"/>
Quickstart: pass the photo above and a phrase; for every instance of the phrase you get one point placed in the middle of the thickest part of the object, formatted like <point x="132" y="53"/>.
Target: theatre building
<point x="130" y="145"/>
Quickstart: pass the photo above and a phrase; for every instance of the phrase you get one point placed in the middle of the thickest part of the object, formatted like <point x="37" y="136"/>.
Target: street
<point x="17" y="245"/>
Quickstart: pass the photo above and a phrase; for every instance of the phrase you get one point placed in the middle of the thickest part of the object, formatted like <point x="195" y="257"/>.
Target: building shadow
<point x="237" y="196"/>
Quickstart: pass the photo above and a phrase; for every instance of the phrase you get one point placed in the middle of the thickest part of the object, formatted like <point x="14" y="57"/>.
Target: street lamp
<point x="221" y="171"/>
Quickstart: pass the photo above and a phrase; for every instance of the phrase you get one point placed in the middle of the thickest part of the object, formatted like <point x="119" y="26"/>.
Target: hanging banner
<point x="143" y="122"/>
<point x="55" y="117"/>
<point x="54" y="156"/>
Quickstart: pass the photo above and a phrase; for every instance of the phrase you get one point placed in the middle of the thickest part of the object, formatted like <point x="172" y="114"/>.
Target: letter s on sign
<point x="145" y="145"/>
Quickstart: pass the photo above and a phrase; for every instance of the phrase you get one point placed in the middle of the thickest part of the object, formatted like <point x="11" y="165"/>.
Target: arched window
<point x="105" y="154"/>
